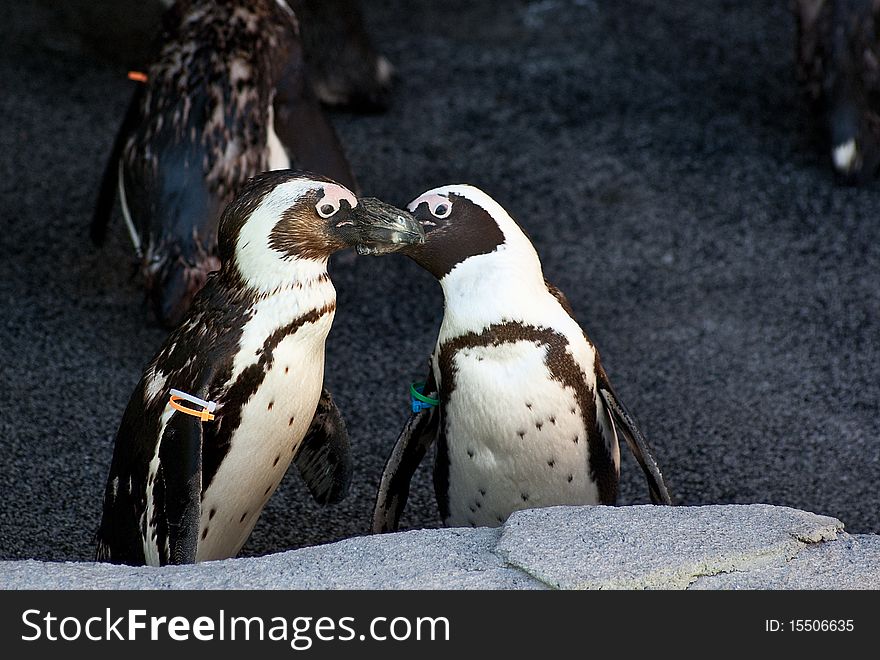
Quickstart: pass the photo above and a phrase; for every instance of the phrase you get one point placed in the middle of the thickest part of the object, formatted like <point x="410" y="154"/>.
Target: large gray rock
<point x="424" y="559"/>
<point x="648" y="547"/>
<point x="638" y="547"/>
<point x="851" y="562"/>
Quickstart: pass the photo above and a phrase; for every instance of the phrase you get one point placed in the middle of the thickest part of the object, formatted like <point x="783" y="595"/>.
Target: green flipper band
<point x="421" y="401"/>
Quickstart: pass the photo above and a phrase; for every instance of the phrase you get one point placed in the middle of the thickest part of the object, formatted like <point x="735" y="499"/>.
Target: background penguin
<point x="226" y="97"/>
<point x="183" y="490"/>
<point x="838" y="67"/>
<point x="122" y="32"/>
<point x="526" y="416"/>
<point x="345" y="68"/>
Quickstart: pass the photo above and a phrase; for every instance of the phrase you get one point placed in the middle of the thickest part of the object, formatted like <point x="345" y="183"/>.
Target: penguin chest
<point x="515" y="436"/>
<point x="278" y="158"/>
<point x="273" y="423"/>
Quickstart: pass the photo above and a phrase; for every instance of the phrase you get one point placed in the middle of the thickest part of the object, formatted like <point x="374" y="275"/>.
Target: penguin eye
<point x="442" y="210"/>
<point x="325" y="208"/>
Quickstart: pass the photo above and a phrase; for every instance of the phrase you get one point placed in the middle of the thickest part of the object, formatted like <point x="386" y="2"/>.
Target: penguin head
<point x="461" y="223"/>
<point x="284" y="220"/>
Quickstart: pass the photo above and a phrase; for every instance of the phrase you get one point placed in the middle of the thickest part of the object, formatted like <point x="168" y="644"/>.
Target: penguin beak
<point x="383" y="228"/>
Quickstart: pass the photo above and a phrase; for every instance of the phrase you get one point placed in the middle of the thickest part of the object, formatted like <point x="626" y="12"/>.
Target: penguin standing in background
<point x="345" y="68"/>
<point x="518" y="403"/>
<point x="236" y="391"/>
<point x="226" y="97"/>
<point x="838" y="67"/>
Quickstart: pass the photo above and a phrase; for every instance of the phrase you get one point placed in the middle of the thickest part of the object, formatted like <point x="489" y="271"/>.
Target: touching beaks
<point x="383" y="228"/>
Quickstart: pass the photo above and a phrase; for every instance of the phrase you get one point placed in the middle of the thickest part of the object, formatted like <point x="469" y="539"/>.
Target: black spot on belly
<point x="538" y="425"/>
<point x="470" y="453"/>
<point x="211" y="514"/>
<point x="204" y="533"/>
<point x="577" y="439"/>
<point x="525" y="497"/>
<point x="286" y="369"/>
<point x="473" y="509"/>
<point x="473" y="524"/>
<point x="570" y="477"/>
<point x="521" y="434"/>
<point x="562" y="367"/>
<point x="290" y="423"/>
<point x="529" y="406"/>
<point x="553" y="421"/>
<point x="275" y="462"/>
<point x="483" y="492"/>
<point x="499" y="519"/>
<point x="271" y="403"/>
<point x="551" y="462"/>
<point x="479" y="506"/>
<point x="243" y="516"/>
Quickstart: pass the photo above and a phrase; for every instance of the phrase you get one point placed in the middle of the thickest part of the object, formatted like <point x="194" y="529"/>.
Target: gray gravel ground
<point x="655" y="153"/>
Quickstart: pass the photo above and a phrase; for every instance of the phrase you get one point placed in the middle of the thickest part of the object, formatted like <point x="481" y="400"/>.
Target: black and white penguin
<point x="526" y="416"/>
<point x="838" y="67"/>
<point x="226" y="97"/>
<point x="248" y="359"/>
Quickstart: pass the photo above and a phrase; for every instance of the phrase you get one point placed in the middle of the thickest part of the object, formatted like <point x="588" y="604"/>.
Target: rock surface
<point x="638" y="547"/>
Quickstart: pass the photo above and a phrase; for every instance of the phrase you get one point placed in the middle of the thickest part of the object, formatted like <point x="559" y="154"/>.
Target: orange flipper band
<point x="204" y="414"/>
<point x="137" y="76"/>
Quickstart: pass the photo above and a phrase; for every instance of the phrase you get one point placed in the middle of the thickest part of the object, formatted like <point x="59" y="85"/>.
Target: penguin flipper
<point x="637" y="442"/>
<point x="324" y="456"/>
<point x="304" y="130"/>
<point x="417" y="436"/>
<point x="622" y="420"/>
<point x="180" y="455"/>
<point x="110" y="178"/>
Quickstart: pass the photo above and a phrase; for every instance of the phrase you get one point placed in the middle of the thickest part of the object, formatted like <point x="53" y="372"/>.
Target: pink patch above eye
<point x="333" y="196"/>
<point x="434" y="202"/>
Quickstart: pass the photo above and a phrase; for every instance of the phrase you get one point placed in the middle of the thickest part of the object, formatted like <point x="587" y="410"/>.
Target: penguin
<point x="226" y="97"/>
<point x="120" y="32"/>
<point x="838" y="68"/>
<point x="345" y="67"/>
<point x="519" y="406"/>
<point x="190" y="474"/>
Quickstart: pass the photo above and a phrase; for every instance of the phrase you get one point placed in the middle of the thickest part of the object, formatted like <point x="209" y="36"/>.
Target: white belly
<point x="273" y="423"/>
<point x="510" y="432"/>
<point x="278" y="159"/>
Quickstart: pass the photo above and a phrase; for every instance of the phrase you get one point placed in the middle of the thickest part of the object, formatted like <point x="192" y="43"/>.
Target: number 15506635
<point x="809" y="625"/>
